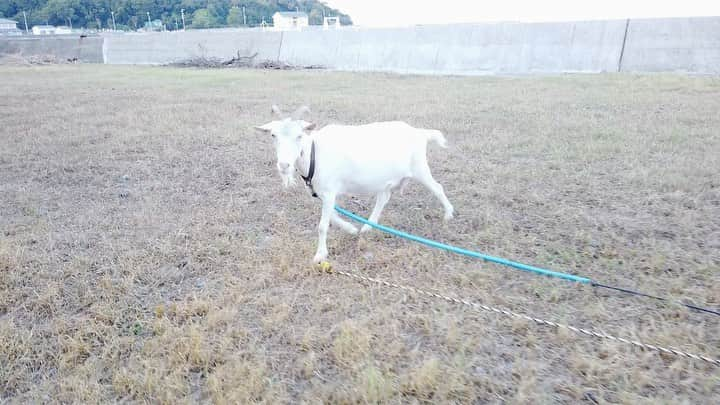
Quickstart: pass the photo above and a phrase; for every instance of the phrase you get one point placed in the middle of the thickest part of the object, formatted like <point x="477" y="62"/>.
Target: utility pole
<point x="244" y="17"/>
<point x="112" y="13"/>
<point x="182" y="14"/>
<point x="25" y="17"/>
<point x="149" y="23"/>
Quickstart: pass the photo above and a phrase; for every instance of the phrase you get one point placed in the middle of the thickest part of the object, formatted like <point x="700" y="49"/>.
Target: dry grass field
<point x="148" y="252"/>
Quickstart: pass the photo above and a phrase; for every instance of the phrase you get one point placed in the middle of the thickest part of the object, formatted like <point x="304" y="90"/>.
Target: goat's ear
<point x="300" y="112"/>
<point x="266" y="129"/>
<point x="276" y="110"/>
<point x="307" y="126"/>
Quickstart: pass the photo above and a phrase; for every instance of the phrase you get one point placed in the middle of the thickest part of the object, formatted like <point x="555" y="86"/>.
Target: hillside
<point x="133" y="14"/>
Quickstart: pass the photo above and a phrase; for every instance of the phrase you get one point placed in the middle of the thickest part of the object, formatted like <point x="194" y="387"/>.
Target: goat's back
<point x="370" y="158"/>
<point x="391" y="137"/>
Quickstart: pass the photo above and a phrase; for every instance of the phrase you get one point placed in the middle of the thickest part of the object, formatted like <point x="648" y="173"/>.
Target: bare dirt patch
<point x="147" y="252"/>
<point x="22" y="60"/>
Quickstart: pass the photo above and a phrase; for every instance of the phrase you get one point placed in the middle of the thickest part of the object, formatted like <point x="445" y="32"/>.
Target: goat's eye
<point x="299" y="137"/>
<point x="273" y="135"/>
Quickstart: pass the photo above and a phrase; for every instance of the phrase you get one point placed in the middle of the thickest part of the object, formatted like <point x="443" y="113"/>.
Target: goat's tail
<point x="437" y="137"/>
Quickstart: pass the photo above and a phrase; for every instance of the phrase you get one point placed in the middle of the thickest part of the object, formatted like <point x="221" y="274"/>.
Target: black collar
<point x="311" y="171"/>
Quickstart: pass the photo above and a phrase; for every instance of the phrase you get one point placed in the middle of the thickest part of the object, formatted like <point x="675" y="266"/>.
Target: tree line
<point x="133" y="14"/>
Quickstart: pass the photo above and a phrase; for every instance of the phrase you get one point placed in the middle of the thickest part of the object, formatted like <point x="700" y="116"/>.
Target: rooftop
<point x="7" y="21"/>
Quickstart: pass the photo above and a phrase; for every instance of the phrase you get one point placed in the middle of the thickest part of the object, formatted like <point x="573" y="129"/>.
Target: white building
<point x="43" y="29"/>
<point x="9" y="27"/>
<point x="331" y="22"/>
<point x="290" y="20"/>
<point x="62" y="29"/>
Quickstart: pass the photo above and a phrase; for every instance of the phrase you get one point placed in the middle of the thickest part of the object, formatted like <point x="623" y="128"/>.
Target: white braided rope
<point x="507" y="312"/>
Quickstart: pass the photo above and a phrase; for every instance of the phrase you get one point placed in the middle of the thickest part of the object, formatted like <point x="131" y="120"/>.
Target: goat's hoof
<point x="448" y="216"/>
<point x="352" y="231"/>
<point x="319" y="258"/>
<point x="365" y="228"/>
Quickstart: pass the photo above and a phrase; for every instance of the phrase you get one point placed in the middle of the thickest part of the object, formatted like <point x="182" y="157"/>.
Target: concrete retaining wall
<point x="673" y="45"/>
<point x="62" y="47"/>
<point x="463" y="49"/>
<point x="654" y="45"/>
<point x="168" y="47"/>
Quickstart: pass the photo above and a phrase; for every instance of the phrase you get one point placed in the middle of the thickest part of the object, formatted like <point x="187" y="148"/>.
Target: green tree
<point x="235" y="17"/>
<point x="133" y="13"/>
<point x="218" y="10"/>
<point x="201" y="19"/>
<point x="64" y="12"/>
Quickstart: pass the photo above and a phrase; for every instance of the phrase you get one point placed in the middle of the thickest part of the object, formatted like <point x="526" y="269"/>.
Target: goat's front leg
<point x="328" y="204"/>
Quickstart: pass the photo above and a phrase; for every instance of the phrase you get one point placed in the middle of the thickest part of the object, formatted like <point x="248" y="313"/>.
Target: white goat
<point x="375" y="158"/>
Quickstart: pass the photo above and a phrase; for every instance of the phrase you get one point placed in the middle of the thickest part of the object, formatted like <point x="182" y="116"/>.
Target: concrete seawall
<point x="689" y="45"/>
<point x="63" y="47"/>
<point x="157" y="48"/>
<point x="464" y="49"/>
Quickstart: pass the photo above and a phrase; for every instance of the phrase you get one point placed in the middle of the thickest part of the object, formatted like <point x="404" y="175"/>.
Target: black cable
<point x="609" y="287"/>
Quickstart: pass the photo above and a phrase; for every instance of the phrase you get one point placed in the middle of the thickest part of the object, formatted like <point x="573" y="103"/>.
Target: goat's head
<point x="288" y="133"/>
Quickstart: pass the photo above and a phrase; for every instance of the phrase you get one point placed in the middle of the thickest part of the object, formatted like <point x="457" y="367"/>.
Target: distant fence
<point x="690" y="45"/>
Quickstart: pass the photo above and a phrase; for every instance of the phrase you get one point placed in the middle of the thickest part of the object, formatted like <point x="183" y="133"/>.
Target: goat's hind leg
<point x="423" y="175"/>
<point x="344" y="225"/>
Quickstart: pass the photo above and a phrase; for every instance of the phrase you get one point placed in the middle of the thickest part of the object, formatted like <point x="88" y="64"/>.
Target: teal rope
<point x="505" y="262"/>
<point x="465" y="252"/>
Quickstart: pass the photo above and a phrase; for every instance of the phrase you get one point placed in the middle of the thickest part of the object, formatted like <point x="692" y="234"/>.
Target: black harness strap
<point x="311" y="170"/>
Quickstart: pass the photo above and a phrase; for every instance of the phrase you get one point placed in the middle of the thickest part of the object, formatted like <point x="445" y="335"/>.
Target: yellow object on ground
<point x="325" y="266"/>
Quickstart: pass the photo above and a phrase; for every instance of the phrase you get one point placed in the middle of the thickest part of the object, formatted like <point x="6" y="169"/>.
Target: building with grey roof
<point x="9" y="27"/>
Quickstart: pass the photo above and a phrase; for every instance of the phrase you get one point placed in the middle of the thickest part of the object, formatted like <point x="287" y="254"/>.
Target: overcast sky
<point x="383" y="13"/>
